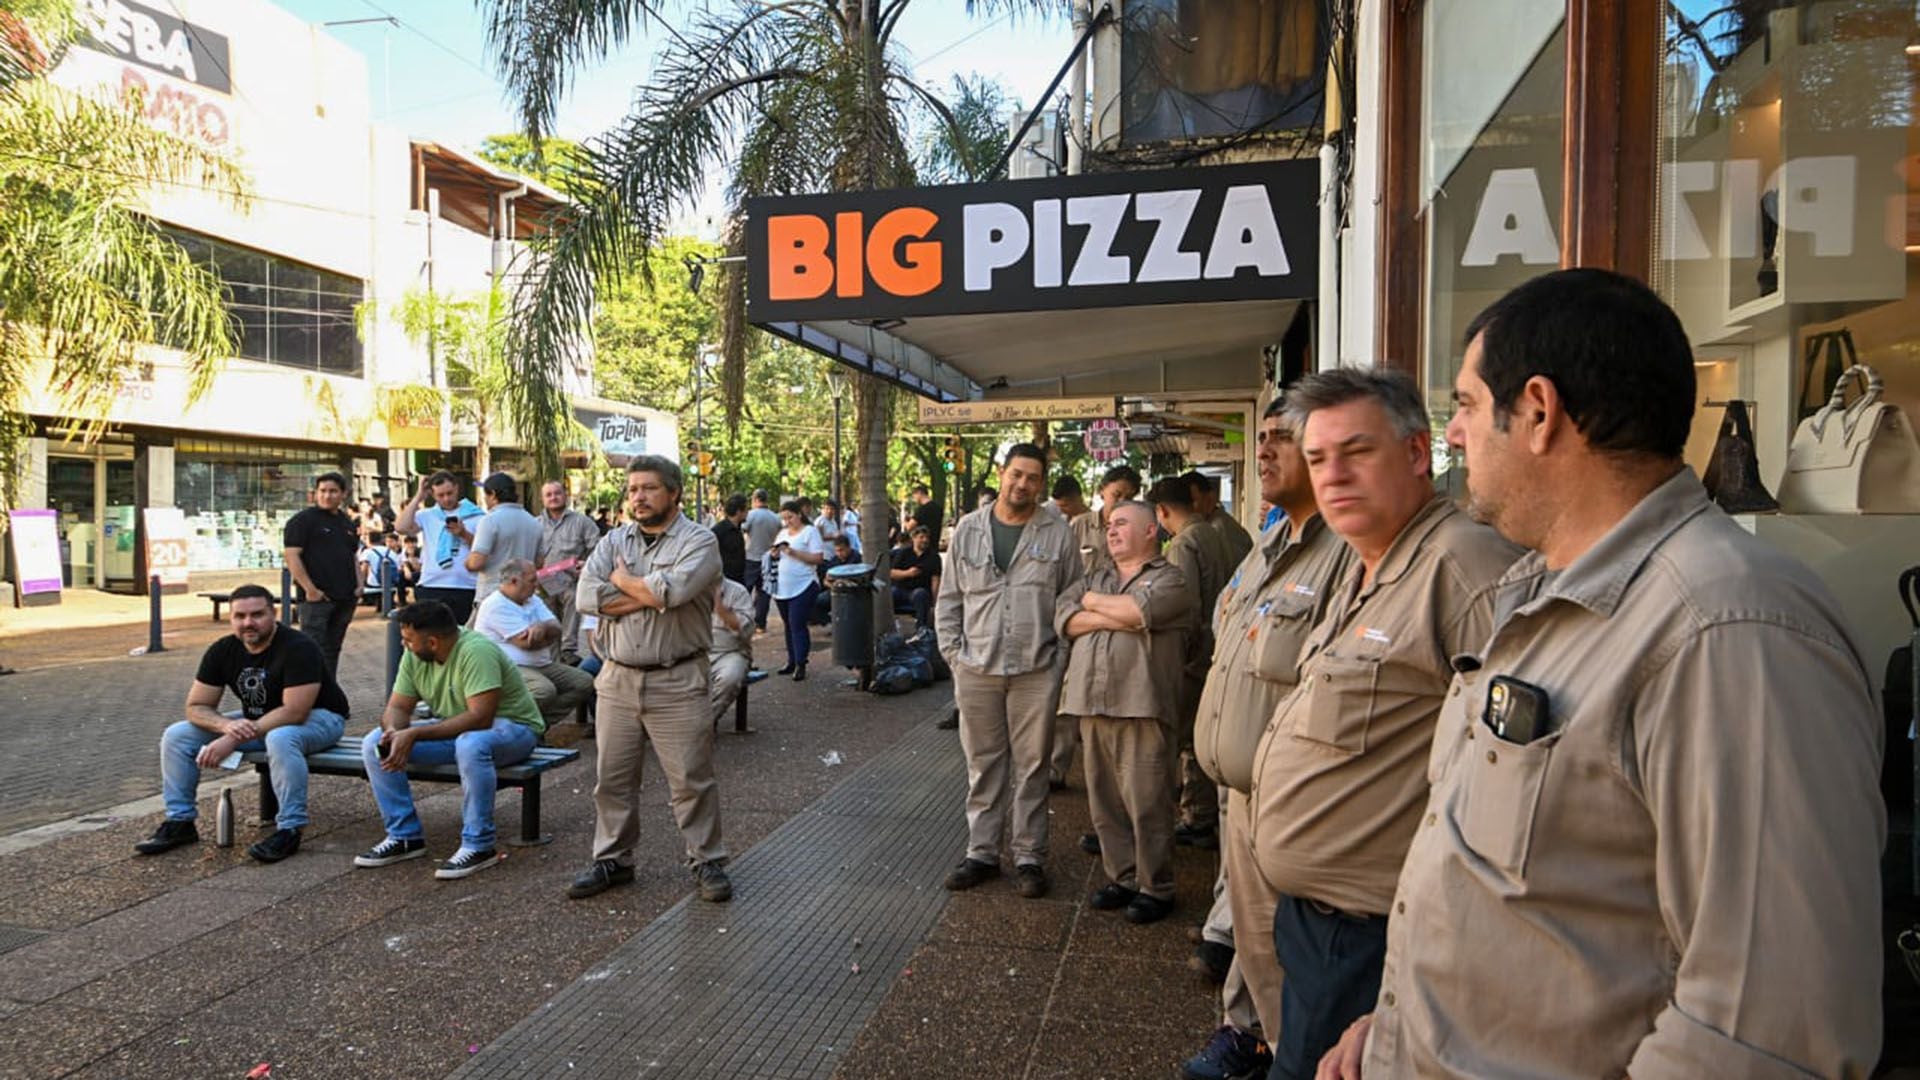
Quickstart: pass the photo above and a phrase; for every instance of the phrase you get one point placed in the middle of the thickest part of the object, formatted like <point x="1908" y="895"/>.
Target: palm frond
<point x="538" y="44"/>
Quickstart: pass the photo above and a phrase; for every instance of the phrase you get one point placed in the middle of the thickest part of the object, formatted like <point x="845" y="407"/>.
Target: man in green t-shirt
<point x="483" y="718"/>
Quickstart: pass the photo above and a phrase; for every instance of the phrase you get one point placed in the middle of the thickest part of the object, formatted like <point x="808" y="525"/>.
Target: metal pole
<point x="286" y="596"/>
<point x="393" y="651"/>
<point x="837" y="398"/>
<point x="153" y="615"/>
<point x="699" y="435"/>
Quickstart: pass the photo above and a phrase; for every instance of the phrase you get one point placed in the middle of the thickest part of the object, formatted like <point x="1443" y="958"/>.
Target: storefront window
<point x="1789" y="203"/>
<point x="1218" y="68"/>
<point x="238" y="496"/>
<point x="1491" y="178"/>
<point x="283" y="312"/>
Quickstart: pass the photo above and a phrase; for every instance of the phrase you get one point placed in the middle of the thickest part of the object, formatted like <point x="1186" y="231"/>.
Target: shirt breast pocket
<point x="1339" y="704"/>
<point x="1036" y="567"/>
<point x="1500" y="793"/>
<point x="1279" y="635"/>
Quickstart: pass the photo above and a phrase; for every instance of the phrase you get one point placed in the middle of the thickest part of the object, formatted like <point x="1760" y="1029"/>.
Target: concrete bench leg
<point x="530" y="834"/>
<point x="269" y="802"/>
<point x="740" y="712"/>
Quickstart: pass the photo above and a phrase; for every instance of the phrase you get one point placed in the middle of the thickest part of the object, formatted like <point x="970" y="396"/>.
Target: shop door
<point x="71" y="491"/>
<point x="117" y="550"/>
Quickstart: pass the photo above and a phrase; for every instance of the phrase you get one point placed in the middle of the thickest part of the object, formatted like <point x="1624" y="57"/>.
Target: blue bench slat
<point x="344" y="757"/>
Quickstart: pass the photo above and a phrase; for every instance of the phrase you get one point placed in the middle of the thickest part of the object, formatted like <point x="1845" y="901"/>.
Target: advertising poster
<point x="36" y="555"/>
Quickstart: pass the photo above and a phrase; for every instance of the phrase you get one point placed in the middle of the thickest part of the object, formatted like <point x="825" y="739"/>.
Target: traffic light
<point x="956" y="457"/>
<point x="705" y="463"/>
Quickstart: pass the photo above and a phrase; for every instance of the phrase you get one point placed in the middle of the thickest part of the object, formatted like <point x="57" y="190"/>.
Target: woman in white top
<point x="797" y="551"/>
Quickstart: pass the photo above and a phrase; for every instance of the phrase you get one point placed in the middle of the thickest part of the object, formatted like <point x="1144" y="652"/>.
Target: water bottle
<point x="223" y="820"/>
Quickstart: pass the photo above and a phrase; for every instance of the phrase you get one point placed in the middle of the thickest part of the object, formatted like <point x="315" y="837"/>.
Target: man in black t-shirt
<point x="322" y="547"/>
<point x="927" y="515"/>
<point x="733" y="542"/>
<point x="290" y="706"/>
<point x="915" y="572"/>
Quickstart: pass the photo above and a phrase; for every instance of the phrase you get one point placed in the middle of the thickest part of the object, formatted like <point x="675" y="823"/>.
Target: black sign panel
<point x="1224" y="232"/>
<point x="158" y="40"/>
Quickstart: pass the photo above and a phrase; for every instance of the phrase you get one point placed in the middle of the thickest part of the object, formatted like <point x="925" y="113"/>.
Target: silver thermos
<point x="223" y="820"/>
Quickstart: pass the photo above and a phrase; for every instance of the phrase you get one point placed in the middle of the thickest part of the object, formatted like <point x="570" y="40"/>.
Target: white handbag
<point x="1859" y="458"/>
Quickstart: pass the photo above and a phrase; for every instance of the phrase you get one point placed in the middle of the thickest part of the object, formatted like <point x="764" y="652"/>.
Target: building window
<point x="1197" y="70"/>
<point x="1787" y="228"/>
<point x="1490" y="171"/>
<point x="284" y="312"/>
<point x="238" y="497"/>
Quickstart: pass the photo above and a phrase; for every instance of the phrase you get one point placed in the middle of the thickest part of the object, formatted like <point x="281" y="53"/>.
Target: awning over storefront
<point x="1137" y="282"/>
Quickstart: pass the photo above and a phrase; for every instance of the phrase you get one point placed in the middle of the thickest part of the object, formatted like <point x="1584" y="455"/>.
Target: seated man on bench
<point x="516" y="619"/>
<point x="484" y="718"/>
<point x="290" y="706"/>
<point x="731" y="654"/>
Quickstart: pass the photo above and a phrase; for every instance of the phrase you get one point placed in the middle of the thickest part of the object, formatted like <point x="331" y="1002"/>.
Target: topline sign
<point x="1194" y="235"/>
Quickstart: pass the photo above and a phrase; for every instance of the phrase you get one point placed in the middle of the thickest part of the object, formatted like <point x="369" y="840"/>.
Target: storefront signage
<point x="167" y="544"/>
<point x="36" y="554"/>
<point x="182" y="112"/>
<point x="1213" y="448"/>
<point x="1106" y="440"/>
<point x="158" y="40"/>
<point x="1224" y="232"/>
<point x="1012" y="411"/>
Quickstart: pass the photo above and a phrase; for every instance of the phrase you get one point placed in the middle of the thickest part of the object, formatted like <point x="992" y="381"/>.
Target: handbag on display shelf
<point x="1733" y="473"/>
<point x="1859" y="458"/>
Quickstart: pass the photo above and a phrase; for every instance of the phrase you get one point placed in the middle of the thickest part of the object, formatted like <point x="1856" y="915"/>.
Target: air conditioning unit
<point x="1043" y="149"/>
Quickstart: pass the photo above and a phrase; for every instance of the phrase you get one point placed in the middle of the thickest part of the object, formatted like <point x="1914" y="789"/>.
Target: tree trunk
<point x="872" y="409"/>
<point x="482" y="445"/>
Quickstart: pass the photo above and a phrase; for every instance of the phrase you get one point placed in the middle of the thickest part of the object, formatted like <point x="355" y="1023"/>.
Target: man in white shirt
<point x="380" y="562"/>
<point x="444" y="522"/>
<point x="527" y="632"/>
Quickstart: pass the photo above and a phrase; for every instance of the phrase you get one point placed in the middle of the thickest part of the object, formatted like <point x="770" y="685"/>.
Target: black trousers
<point x="459" y="600"/>
<point x="762" y="599"/>
<point x="326" y="622"/>
<point x="1333" y="962"/>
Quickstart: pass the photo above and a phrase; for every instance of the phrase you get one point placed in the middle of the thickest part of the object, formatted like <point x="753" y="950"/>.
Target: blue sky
<point x="432" y="75"/>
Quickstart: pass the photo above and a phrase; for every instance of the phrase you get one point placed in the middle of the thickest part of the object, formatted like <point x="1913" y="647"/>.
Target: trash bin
<point x="852" y="589"/>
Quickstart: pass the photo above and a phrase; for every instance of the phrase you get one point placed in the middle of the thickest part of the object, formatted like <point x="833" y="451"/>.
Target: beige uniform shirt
<point x="1233" y="534"/>
<point x="1340" y="774"/>
<point x="735" y="598"/>
<point x="1002" y="624"/>
<point x="1090" y="533"/>
<point x="680" y="568"/>
<point x="1202" y="555"/>
<point x="1681" y="879"/>
<point x="1276" y="597"/>
<point x="1124" y="673"/>
<point x="573" y="537"/>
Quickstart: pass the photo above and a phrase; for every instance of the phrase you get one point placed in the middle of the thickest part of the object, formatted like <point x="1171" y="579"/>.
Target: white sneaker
<point x="464" y="862"/>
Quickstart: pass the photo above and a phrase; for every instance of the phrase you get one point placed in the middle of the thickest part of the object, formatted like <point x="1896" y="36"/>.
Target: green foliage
<point x="85" y="278"/>
<point x="551" y="161"/>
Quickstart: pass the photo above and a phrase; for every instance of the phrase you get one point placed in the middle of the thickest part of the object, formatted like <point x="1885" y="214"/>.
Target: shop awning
<point x="1117" y="283"/>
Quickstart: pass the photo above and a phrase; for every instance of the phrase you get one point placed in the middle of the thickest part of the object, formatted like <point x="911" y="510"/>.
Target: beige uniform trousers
<point x="566" y="609"/>
<point x="671" y="708"/>
<point x="1006" y="731"/>
<point x="728" y="676"/>
<point x="558" y="690"/>
<point x="1130" y="783"/>
<point x="1066" y="728"/>
<point x="1253" y="902"/>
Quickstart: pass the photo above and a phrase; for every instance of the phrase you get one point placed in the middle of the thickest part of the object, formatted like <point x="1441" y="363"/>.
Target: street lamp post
<point x="700" y="360"/>
<point x="837" y="386"/>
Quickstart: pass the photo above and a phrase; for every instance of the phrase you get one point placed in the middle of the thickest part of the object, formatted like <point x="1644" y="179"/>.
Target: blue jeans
<point x="1333" y="962"/>
<point x="477" y="753"/>
<point x="287" y="749"/>
<point x="797" y="613"/>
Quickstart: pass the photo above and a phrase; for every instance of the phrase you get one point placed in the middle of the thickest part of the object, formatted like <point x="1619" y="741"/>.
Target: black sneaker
<point x="465" y="862"/>
<point x="1111" y="897"/>
<point x="1210" y="961"/>
<point x="1146" y="909"/>
<point x="281" y="844"/>
<point x="171" y="834"/>
<point x="1056" y="784"/>
<point x="715" y="887"/>
<point x="1031" y="880"/>
<point x="1199" y="836"/>
<point x="390" y="851"/>
<point x="1090" y="843"/>
<point x="1231" y="1054"/>
<point x="604" y="874"/>
<point x="951" y="723"/>
<point x="969" y="873"/>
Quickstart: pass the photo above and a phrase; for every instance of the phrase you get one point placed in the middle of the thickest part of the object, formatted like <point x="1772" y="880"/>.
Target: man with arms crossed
<point x="1009" y="567"/>
<point x="516" y="619"/>
<point x="650" y="583"/>
<point x="289" y="706"/>
<point x="1117" y="485"/>
<point x="1129" y="626"/>
<point x="483" y="718"/>
<point x="1652" y="843"/>
<point x="321" y="548"/>
<point x="1340" y="775"/>
<point x="567" y="537"/>
<point x="444" y="522"/>
<point x="1270" y="604"/>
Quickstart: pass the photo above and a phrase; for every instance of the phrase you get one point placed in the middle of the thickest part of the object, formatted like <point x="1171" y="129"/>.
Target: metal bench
<point x="343" y="759"/>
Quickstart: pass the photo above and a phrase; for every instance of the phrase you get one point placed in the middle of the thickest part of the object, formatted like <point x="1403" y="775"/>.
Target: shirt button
<point x="1455" y="692"/>
<point x="1401" y="907"/>
<point x="1433" y="819"/>
<point x="1492" y="756"/>
<point x="1388" y="998"/>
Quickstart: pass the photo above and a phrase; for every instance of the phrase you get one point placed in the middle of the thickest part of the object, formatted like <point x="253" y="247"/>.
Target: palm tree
<point x="468" y="335"/>
<point x="85" y="278"/>
<point x="788" y="98"/>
